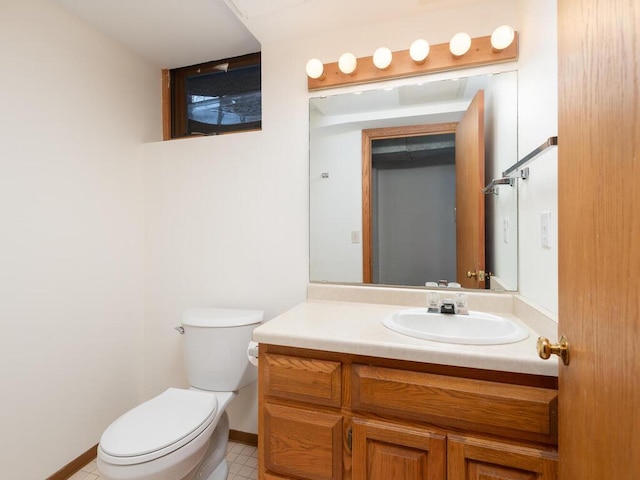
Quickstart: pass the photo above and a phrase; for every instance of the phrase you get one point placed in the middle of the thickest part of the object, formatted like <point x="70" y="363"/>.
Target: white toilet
<point x="182" y="434"/>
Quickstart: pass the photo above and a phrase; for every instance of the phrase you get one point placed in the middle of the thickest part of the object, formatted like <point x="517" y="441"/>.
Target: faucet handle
<point x="433" y="301"/>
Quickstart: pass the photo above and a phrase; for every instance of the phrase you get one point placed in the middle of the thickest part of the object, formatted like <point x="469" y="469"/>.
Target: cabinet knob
<point x="546" y="349"/>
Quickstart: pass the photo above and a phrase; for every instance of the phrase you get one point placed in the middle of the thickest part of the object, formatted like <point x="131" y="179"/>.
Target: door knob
<point x="480" y="274"/>
<point x="546" y="349"/>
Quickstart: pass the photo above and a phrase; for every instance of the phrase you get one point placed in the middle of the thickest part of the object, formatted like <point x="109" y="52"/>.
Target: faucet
<point x="457" y="305"/>
<point x="449" y="307"/>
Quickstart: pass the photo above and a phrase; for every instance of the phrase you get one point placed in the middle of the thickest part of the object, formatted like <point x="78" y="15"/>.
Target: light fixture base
<point x="402" y="66"/>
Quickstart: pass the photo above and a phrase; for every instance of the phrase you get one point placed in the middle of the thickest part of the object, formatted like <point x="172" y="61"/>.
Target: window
<point x="216" y="97"/>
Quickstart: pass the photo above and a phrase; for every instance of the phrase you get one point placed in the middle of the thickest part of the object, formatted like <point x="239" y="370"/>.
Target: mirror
<point x="414" y="211"/>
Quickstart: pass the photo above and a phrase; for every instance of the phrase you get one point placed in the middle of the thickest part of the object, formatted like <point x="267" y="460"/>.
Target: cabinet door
<point x="384" y="451"/>
<point x="302" y="443"/>
<point x="480" y="459"/>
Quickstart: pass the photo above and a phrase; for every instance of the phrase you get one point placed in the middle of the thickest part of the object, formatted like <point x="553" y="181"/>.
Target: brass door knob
<point x="480" y="274"/>
<point x="546" y="349"/>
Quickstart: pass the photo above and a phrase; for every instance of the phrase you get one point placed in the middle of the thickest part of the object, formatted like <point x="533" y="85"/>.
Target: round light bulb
<point x="460" y="44"/>
<point x="502" y="37"/>
<point x="419" y="50"/>
<point x="347" y="63"/>
<point x="382" y="58"/>
<point x="315" y="69"/>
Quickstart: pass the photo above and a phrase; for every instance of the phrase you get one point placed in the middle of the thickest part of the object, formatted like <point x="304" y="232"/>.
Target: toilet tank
<point x="215" y="347"/>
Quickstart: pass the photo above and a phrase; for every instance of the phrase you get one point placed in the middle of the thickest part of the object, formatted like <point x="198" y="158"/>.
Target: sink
<point x="476" y="328"/>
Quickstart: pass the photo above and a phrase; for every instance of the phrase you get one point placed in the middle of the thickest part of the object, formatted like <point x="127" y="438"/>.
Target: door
<point x="469" y="197"/>
<point x="384" y="451"/>
<point x="599" y="238"/>
<point x="302" y="443"/>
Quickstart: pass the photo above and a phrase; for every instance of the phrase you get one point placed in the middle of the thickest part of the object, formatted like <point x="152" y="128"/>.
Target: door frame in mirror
<point x="368" y="136"/>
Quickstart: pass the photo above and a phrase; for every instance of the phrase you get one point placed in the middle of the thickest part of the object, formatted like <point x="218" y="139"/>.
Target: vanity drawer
<point x="514" y="411"/>
<point x="318" y="382"/>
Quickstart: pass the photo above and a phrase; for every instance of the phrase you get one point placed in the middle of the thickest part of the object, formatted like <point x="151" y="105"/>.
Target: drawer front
<point x="302" y="443"/>
<point x="307" y="380"/>
<point x="507" y="410"/>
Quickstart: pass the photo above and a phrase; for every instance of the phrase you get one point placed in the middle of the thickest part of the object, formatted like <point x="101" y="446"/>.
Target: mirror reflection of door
<point x="412" y="181"/>
<point x="470" y="225"/>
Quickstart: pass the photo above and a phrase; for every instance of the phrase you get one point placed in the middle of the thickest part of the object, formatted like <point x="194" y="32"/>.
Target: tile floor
<point x="242" y="460"/>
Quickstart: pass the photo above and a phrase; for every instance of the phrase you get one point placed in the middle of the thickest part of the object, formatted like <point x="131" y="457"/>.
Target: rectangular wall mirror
<point x="422" y="168"/>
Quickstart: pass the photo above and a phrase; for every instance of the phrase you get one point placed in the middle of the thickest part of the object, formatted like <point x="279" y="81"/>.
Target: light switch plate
<point x="545" y="229"/>
<point x="505" y="230"/>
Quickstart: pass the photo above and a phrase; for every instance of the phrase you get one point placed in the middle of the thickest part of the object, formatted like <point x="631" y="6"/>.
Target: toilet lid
<point x="172" y="418"/>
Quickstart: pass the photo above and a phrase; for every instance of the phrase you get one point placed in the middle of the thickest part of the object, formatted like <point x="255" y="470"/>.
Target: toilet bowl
<point x="182" y="434"/>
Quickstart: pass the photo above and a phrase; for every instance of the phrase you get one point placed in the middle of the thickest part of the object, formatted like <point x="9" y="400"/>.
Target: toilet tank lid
<point x="220" y="317"/>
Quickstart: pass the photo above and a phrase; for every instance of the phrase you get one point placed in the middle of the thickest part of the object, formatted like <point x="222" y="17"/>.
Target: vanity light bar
<point x="402" y="65"/>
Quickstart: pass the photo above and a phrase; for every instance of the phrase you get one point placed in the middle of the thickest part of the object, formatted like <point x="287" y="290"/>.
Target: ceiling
<point x="171" y="33"/>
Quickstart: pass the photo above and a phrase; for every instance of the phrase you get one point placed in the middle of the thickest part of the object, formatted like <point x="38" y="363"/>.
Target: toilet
<point x="182" y="434"/>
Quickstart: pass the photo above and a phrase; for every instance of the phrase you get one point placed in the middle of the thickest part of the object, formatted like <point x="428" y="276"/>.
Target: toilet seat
<point x="159" y="426"/>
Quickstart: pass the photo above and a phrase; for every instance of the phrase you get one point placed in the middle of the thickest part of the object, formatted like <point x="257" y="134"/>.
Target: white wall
<point x="335" y="208"/>
<point x="538" y="120"/>
<point x="501" y="110"/>
<point x="75" y="110"/>
<point x="227" y="225"/>
<point x="227" y="221"/>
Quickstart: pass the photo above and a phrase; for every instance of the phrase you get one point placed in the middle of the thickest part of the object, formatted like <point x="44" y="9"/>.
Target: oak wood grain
<point x="383" y="451"/>
<point x="599" y="237"/>
<point x="472" y="458"/>
<point x="511" y="410"/>
<point x="470" y="228"/>
<point x="302" y="443"/>
<point x="303" y="379"/>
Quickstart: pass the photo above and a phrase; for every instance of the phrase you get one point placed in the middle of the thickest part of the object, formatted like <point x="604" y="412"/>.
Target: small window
<point x="216" y="97"/>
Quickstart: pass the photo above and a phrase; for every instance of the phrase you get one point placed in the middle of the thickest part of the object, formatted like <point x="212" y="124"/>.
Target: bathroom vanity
<point x="343" y="397"/>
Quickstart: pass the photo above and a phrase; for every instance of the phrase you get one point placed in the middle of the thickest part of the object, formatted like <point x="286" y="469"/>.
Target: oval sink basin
<point x="476" y="328"/>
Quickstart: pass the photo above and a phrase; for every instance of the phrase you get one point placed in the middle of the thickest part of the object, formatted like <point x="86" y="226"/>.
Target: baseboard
<point x="242" y="437"/>
<point x="75" y="465"/>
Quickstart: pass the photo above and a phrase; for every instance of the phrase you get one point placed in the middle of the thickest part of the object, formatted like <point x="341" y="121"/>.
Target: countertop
<point x="356" y="328"/>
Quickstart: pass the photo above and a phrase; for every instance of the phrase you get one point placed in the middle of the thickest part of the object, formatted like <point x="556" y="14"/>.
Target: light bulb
<point x="347" y="63"/>
<point x="419" y="50"/>
<point x="502" y="37"/>
<point x="460" y="44"/>
<point x="315" y="69"/>
<point x="382" y="58"/>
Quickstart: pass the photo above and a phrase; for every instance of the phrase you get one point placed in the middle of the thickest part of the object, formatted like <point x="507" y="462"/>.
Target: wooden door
<point x="383" y="451"/>
<point x="470" y="179"/>
<point x="470" y="458"/>
<point x="599" y="238"/>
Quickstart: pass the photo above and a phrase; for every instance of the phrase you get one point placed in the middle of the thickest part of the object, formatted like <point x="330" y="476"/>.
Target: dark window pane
<point x="215" y="97"/>
<point x="222" y="101"/>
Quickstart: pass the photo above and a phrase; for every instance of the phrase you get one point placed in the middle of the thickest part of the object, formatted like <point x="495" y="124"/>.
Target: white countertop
<point x="356" y="328"/>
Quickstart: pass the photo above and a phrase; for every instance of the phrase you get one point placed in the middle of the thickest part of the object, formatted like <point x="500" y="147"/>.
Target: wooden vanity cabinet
<point x="326" y="416"/>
